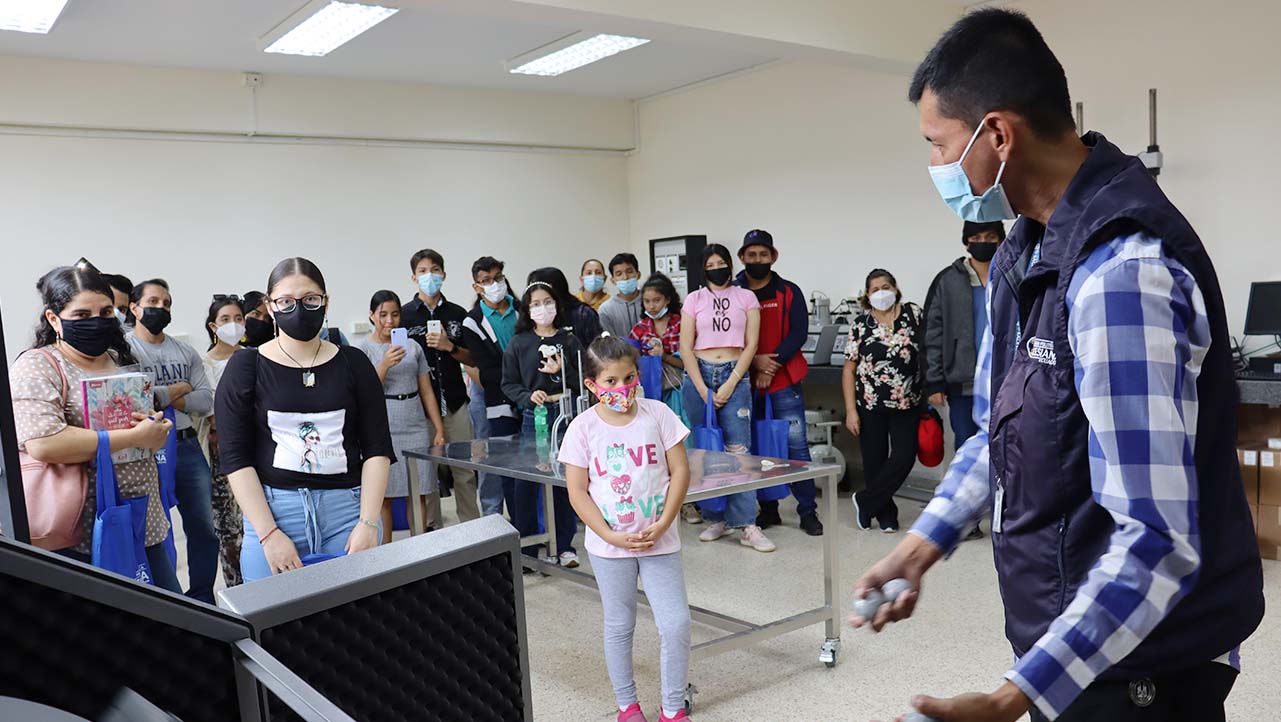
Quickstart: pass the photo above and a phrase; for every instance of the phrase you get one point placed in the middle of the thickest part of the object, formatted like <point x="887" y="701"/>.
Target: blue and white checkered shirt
<point x="1138" y="327"/>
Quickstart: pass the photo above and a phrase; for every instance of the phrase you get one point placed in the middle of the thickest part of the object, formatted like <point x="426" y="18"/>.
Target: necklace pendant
<point x="308" y="379"/>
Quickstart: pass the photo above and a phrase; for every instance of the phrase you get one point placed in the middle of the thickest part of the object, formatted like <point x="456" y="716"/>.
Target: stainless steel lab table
<point x="712" y="474"/>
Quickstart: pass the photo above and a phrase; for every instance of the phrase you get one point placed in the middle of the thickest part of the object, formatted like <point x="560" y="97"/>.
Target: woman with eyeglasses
<point x="225" y="325"/>
<point x="303" y="435"/>
<point x="540" y="367"/>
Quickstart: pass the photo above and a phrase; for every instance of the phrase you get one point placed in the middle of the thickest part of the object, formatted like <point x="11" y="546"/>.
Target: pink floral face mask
<point x="618" y="399"/>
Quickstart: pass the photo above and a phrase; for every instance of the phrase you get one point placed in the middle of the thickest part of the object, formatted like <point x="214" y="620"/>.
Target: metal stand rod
<point x="416" y="524"/>
<point x="832" y="557"/>
<point x="1152" y="117"/>
<point x="299" y="696"/>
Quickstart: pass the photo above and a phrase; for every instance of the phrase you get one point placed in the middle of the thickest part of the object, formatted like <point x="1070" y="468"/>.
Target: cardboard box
<point x="1269" y="527"/>
<point x="1254" y="518"/>
<point x="1269" y="478"/>
<point x="1248" y="457"/>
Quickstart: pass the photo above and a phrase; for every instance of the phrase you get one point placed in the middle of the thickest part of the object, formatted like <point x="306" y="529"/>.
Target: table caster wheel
<point x="830" y="651"/>
<point x="690" y="691"/>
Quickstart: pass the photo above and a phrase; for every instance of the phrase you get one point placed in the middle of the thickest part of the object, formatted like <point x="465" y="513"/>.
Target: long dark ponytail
<point x="57" y="288"/>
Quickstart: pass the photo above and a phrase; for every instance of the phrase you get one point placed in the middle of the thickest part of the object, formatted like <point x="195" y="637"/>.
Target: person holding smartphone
<point x="412" y="411"/>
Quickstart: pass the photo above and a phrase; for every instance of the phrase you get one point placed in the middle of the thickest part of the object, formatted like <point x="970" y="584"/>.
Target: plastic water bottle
<point x="540" y="425"/>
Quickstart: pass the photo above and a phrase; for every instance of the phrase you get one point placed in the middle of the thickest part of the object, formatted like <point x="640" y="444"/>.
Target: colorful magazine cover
<point x="111" y="401"/>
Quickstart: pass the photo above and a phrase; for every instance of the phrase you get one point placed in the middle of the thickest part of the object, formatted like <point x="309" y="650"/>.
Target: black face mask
<point x="155" y="319"/>
<point x="983" y="252"/>
<point x="302" y="324"/>
<point x="717" y="276"/>
<point x="90" y="336"/>
<point x="258" y="332"/>
<point x="758" y="271"/>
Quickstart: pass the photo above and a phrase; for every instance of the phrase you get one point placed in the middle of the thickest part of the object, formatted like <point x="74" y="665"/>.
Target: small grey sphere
<point x="915" y="716"/>
<point x="866" y="607"/>
<point x="895" y="588"/>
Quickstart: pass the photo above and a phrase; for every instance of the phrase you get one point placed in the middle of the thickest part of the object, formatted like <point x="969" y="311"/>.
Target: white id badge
<point x="998" y="508"/>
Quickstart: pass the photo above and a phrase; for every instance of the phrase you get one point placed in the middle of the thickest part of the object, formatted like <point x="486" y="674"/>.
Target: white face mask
<point x="495" y="292"/>
<point x="883" y="300"/>
<point x="544" y="315"/>
<point x="230" y="333"/>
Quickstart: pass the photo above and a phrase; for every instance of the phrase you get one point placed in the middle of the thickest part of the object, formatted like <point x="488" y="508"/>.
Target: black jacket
<point x="950" y="353"/>
<point x="487" y="355"/>
<point x="523" y="357"/>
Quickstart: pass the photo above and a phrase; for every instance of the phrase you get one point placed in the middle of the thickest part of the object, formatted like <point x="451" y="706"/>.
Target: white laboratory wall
<point x="214" y="217"/>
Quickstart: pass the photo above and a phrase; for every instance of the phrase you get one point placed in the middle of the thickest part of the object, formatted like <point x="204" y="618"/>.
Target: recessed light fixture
<point x="30" y="16"/>
<point x="322" y="25"/>
<point x="571" y="52"/>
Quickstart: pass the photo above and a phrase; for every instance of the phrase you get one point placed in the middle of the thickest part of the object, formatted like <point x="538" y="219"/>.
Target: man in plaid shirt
<point x="1106" y="403"/>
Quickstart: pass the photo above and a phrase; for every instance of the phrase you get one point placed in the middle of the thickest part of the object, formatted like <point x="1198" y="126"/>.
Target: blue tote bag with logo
<point x="769" y="438"/>
<point x="167" y="467"/>
<point x="709" y="437"/>
<point x="119" y="525"/>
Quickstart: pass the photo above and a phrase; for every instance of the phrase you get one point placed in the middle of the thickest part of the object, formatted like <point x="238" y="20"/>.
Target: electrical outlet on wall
<point x="252" y="80"/>
<point x="362" y="327"/>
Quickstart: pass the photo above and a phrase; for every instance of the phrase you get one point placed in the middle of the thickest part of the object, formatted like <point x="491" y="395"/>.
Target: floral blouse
<point x="888" y="359"/>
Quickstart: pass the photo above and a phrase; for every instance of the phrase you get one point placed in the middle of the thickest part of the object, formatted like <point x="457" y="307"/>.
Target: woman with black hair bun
<point x="77" y="336"/>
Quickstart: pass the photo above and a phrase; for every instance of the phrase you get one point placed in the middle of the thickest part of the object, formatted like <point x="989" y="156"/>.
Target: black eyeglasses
<point x="311" y="302"/>
<point x="226" y="298"/>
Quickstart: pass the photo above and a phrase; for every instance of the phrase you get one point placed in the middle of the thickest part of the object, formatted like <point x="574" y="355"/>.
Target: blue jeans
<point x="162" y="573"/>
<point x="789" y="405"/>
<point x="194" y="487"/>
<point x="960" y="411"/>
<point x="529" y="495"/>
<point x="318" y="521"/>
<point x="735" y="419"/>
<point x="495" y="489"/>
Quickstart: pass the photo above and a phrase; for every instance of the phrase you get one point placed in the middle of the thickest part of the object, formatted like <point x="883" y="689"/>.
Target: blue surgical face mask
<point x="627" y="286"/>
<point x="430" y="283"/>
<point x="656" y="316"/>
<point x="593" y="283"/>
<point x="958" y="194"/>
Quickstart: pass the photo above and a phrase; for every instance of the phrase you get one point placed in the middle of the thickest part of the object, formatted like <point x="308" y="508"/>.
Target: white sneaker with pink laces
<point x="755" y="538"/>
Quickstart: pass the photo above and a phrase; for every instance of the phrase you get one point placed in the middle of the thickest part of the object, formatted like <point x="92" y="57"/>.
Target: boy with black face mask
<point x="179" y="380"/>
<point x="955" y="318"/>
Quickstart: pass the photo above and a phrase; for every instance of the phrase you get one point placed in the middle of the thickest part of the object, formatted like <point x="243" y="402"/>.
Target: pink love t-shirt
<point x="627" y="472"/>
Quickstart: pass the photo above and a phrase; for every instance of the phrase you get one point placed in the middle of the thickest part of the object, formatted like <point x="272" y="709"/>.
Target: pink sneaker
<point x="680" y="715"/>
<point x="632" y="714"/>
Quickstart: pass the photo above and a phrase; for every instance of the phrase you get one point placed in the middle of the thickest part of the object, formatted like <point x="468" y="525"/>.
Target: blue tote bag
<point x="709" y="437"/>
<point x="120" y="525"/>
<point x="167" y="467"/>
<point x="769" y="438"/>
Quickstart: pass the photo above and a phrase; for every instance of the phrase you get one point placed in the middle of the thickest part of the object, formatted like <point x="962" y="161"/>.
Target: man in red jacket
<point x="779" y="366"/>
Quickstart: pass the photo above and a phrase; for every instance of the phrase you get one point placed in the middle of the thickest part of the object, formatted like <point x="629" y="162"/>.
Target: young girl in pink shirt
<point x="627" y="474"/>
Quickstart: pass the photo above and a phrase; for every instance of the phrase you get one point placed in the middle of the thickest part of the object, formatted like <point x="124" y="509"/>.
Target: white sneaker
<point x="691" y="515"/>
<point x="569" y="560"/>
<point x="755" y="538"/>
<point x="714" y="532"/>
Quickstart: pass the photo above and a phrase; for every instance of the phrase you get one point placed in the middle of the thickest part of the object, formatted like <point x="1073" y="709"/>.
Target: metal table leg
<point x="411" y="502"/>
<point x="832" y="574"/>
<point x="549" y="522"/>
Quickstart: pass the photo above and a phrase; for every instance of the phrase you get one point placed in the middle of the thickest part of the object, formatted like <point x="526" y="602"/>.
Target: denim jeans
<point x="960" y="411"/>
<point x="194" y="486"/>
<point x="495" y="489"/>
<point x="789" y="405"/>
<point x="318" y="521"/>
<point x="735" y="419"/>
<point x="528" y="517"/>
<point x="162" y="572"/>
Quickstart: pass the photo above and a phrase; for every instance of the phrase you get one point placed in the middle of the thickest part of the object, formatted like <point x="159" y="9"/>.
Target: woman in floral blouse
<point x="882" y="385"/>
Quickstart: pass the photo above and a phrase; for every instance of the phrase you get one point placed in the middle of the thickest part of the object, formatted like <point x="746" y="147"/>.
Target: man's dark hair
<point x="485" y="263"/>
<point x="996" y="59"/>
<point x="430" y="255"/>
<point x="119" y="282"/>
<point x="973" y="229"/>
<point x="136" y="294"/>
<point x="622" y="258"/>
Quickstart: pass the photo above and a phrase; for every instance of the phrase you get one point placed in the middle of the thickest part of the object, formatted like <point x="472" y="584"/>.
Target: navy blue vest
<point x="1053" y="532"/>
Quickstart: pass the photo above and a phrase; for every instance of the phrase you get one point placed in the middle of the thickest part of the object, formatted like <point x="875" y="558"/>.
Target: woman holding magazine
<point x="78" y="337"/>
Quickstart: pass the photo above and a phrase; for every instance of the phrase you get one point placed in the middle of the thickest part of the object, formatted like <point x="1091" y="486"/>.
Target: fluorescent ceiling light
<point x="30" y="16"/>
<point x="322" y="25"/>
<point x="567" y="54"/>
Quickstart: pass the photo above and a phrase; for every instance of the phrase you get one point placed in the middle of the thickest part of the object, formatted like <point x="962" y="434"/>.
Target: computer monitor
<point x="1263" y="315"/>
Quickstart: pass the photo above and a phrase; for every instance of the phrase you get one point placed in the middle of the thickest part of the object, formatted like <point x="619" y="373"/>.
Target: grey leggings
<point x="664" y="582"/>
